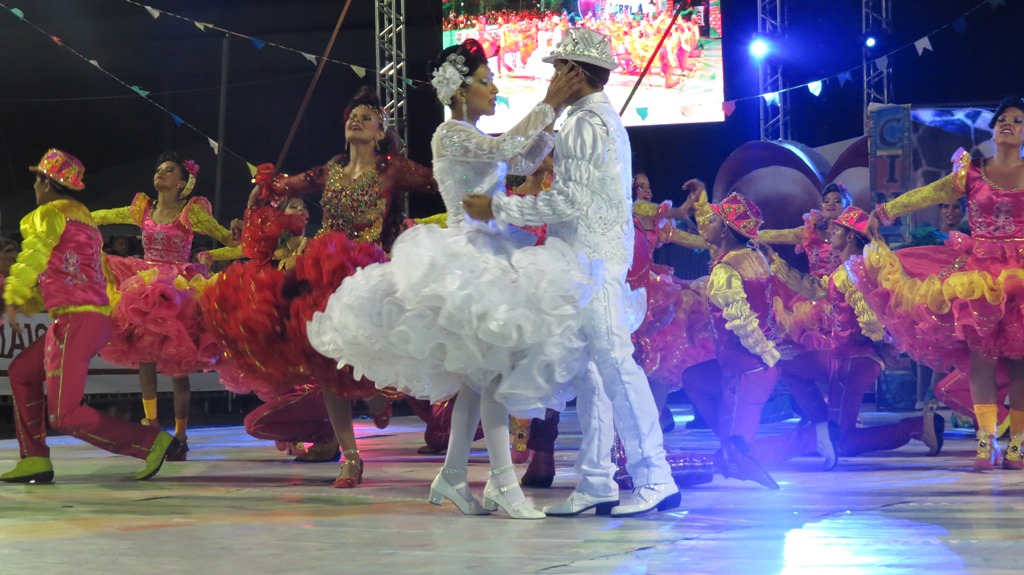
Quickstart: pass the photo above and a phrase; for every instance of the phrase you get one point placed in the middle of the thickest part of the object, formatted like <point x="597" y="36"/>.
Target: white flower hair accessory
<point x="449" y="76"/>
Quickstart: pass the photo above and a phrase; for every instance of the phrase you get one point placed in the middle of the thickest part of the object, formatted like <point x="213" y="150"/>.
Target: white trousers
<point x="615" y="394"/>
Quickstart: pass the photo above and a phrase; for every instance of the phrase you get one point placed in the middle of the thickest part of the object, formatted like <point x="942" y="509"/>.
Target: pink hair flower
<point x="191" y="167"/>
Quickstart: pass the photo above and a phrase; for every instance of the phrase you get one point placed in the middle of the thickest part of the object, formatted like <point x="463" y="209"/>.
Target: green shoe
<point x="164" y="442"/>
<point x="30" y="470"/>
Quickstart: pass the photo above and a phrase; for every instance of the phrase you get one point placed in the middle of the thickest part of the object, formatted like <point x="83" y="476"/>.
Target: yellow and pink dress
<point x="676" y="330"/>
<point x="973" y="300"/>
<point x="157" y="318"/>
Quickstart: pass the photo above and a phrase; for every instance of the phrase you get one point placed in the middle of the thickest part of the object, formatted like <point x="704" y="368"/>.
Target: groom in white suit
<point x="589" y="207"/>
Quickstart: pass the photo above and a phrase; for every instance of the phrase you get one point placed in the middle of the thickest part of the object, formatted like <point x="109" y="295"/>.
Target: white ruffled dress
<point x="471" y="302"/>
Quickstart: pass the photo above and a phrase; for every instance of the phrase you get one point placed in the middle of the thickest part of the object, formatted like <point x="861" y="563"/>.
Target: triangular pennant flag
<point x="408" y="81"/>
<point x="139" y="91"/>
<point x="642" y="112"/>
<point x="214" y="145"/>
<point x="201" y="25"/>
<point x="17" y="12"/>
<point x="503" y="100"/>
<point x="729" y="107"/>
<point x="359" y="70"/>
<point x="882" y="62"/>
<point x="922" y="45"/>
<point x="152" y="12"/>
<point x="771" y="98"/>
<point x="309" y="57"/>
<point x="814" y="87"/>
<point x="56" y="40"/>
<point x="845" y="77"/>
<point x="252" y="169"/>
<point x="995" y="3"/>
<point x="258" y="43"/>
<point x="177" y="120"/>
<point x="95" y="63"/>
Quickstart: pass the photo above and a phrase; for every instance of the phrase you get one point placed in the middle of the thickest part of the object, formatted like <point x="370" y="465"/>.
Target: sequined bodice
<point x="165" y="243"/>
<point x="355" y="207"/>
<point x="457" y="177"/>
<point x="994" y="213"/>
<point x="822" y="260"/>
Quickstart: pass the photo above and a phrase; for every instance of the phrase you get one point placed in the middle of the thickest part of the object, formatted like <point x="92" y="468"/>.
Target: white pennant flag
<point x="882" y="62"/>
<point x="214" y="145"/>
<point x="152" y="12"/>
<point x="922" y="45"/>
<point x="309" y="57"/>
<point x="95" y="63"/>
<point x="814" y="87"/>
<point x="359" y="70"/>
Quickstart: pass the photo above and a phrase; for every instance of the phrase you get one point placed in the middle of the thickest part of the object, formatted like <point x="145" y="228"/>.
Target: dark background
<point x="49" y="97"/>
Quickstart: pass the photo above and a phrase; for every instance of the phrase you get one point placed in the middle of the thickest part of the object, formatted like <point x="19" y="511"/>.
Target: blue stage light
<point x="759" y="48"/>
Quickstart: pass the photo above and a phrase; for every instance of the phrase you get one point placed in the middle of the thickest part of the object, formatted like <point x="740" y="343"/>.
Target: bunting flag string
<point x="920" y="45"/>
<point x="259" y="43"/>
<point x="134" y="88"/>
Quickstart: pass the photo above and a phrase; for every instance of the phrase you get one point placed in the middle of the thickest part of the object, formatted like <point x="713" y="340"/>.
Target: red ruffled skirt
<point x="259" y="313"/>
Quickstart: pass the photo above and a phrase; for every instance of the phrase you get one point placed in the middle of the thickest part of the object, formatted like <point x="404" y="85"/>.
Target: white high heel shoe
<point x="494" y="497"/>
<point x="441" y="489"/>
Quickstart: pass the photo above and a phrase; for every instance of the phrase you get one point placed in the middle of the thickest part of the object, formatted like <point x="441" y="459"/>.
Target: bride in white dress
<point x="473" y="309"/>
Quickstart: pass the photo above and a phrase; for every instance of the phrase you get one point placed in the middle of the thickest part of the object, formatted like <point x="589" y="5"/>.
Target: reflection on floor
<point x="240" y="506"/>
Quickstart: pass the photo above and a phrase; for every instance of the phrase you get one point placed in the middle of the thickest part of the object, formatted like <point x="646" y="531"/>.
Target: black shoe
<point x="736" y="461"/>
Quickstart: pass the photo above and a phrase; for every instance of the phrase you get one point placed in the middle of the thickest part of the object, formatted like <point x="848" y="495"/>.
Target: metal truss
<point x="391" y="66"/>
<point x="876" y="17"/>
<point x="771" y="22"/>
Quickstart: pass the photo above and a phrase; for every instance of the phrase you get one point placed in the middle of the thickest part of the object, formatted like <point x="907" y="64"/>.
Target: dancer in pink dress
<point x="158" y="325"/>
<point x="969" y="315"/>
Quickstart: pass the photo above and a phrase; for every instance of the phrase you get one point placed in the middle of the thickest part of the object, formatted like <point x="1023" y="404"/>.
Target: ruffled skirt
<point x="465" y="305"/>
<point x="258" y="314"/>
<point x="940" y="303"/>
<point x="676" y="332"/>
<point x="157" y="318"/>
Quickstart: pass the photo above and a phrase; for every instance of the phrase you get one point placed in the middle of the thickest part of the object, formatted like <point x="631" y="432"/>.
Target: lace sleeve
<point x="940" y="191"/>
<point x="581" y="155"/>
<point x="687" y="240"/>
<point x="792" y="236"/>
<point x="725" y="291"/>
<point x="201" y="220"/>
<point x="808" y="286"/>
<point x="702" y="211"/>
<point x="516" y="146"/>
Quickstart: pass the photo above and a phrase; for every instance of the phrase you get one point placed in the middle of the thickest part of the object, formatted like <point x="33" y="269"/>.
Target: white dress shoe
<point x="661" y="496"/>
<point x="578" y="502"/>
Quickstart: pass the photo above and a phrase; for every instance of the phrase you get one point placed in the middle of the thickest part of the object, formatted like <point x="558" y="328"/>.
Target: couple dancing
<point x="477" y="309"/>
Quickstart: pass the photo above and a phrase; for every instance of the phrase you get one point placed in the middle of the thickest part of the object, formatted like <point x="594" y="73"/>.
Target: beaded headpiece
<point x="449" y="76"/>
<point x="192" y="169"/>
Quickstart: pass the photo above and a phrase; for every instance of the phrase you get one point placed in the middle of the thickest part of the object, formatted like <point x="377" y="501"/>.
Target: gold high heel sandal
<point x="351" y="472"/>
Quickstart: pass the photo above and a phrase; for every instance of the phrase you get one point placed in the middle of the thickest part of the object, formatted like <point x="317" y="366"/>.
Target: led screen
<point x="684" y="83"/>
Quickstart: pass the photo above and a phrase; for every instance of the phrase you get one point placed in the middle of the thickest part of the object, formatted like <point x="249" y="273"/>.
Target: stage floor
<point x="241" y="507"/>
